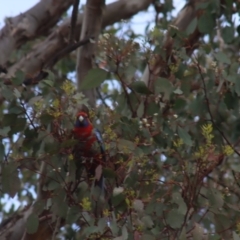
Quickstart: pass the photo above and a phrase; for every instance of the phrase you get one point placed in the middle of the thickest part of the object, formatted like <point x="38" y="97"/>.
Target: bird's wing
<point x="100" y="141"/>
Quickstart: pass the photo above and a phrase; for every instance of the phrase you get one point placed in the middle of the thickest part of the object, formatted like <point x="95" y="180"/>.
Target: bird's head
<point x="82" y="120"/>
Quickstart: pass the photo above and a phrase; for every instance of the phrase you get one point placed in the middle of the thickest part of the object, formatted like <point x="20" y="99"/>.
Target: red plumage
<point x="89" y="148"/>
<point x="84" y="133"/>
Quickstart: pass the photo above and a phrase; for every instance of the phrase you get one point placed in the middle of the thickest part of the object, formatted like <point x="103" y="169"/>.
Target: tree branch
<point x="33" y="62"/>
<point x="29" y="25"/>
<point x="74" y="20"/>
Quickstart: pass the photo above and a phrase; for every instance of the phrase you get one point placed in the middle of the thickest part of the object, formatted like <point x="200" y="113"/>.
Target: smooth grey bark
<point x="92" y="24"/>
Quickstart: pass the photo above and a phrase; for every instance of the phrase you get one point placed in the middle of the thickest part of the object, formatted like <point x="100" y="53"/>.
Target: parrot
<point x="89" y="151"/>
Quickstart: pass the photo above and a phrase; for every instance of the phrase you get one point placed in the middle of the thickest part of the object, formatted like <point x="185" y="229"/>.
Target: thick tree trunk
<point x="92" y="23"/>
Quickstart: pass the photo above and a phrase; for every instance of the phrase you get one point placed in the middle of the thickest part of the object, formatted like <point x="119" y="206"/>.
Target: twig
<point x="158" y="8"/>
<point x="28" y="117"/>
<point x="231" y="189"/>
<point x="45" y="217"/>
<point x="73" y="20"/>
<point x="100" y="96"/>
<point x="57" y="226"/>
<point x="125" y="91"/>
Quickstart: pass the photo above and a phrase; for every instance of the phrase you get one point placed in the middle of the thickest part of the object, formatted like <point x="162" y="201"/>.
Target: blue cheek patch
<point x="84" y="123"/>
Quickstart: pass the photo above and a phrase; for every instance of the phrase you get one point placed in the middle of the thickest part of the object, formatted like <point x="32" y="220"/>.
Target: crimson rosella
<point x="90" y="148"/>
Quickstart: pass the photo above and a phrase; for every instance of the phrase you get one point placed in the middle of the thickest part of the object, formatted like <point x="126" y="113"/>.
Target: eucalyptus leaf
<point x="94" y="78"/>
<point x="175" y="218"/>
<point x="32" y="223"/>
<point x="222" y="57"/>
<point x="140" y="87"/>
<point x="184" y="135"/>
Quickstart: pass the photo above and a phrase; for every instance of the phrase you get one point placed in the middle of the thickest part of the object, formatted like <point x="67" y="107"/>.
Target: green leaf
<point x="152" y="108"/>
<point x="177" y="198"/>
<point x="222" y="57"/>
<point x="19" y="77"/>
<point x="175" y="218"/>
<point x="32" y="223"/>
<point x="230" y="100"/>
<point x="179" y="104"/>
<point x="119" y="198"/>
<point x="206" y="23"/>
<point x="140" y="109"/>
<point x="140" y="87"/>
<point x="197" y="105"/>
<point x="102" y="224"/>
<point x="87" y="231"/>
<point x="9" y="119"/>
<point x="16" y="110"/>
<point x="192" y="26"/>
<point x="39" y="206"/>
<point x="52" y="185"/>
<point x="19" y="125"/>
<point x="73" y="214"/>
<point x="4" y="131"/>
<point x="7" y="93"/>
<point x="49" y="83"/>
<point x="109" y="173"/>
<point x="94" y="78"/>
<point x="228" y="34"/>
<point x="148" y="222"/>
<point x="163" y="85"/>
<point x="215" y="198"/>
<point x="69" y="143"/>
<point x="184" y="135"/>
<point x="46" y="118"/>
<point x="17" y="94"/>
<point x="114" y="228"/>
<point x="124" y="145"/>
<point x="59" y="206"/>
<point x="34" y="100"/>
<point x="10" y="180"/>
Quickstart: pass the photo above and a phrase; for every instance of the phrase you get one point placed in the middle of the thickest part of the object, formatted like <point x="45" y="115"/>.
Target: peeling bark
<point x="29" y="25"/>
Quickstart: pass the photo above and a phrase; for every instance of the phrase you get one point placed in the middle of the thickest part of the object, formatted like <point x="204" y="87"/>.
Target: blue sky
<point x="13" y="7"/>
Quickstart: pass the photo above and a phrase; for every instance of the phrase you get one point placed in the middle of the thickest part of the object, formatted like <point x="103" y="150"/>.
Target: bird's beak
<point x="81" y="118"/>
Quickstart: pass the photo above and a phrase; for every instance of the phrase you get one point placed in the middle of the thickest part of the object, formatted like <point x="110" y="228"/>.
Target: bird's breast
<point x="87" y="143"/>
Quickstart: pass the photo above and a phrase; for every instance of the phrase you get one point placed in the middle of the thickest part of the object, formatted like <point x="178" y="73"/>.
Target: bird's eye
<point x="81" y="118"/>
